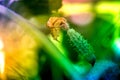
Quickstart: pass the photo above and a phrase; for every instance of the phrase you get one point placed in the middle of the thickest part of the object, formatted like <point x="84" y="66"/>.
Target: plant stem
<point x="52" y="51"/>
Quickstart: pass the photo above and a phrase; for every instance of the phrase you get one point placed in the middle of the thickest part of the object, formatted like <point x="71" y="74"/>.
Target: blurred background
<point x="24" y="57"/>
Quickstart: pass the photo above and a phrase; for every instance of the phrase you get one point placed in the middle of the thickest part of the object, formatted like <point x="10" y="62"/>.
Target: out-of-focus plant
<point x="38" y="36"/>
<point x="70" y="45"/>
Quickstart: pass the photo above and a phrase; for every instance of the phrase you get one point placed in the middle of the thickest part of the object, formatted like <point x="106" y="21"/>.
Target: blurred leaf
<point x="55" y="4"/>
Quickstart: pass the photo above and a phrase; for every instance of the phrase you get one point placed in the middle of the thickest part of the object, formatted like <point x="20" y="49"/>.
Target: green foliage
<point x="37" y="7"/>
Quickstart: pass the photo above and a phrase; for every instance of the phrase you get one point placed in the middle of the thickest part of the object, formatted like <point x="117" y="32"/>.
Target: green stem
<point x="52" y="51"/>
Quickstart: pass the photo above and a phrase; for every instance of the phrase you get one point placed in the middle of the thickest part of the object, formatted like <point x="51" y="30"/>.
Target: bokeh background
<point x="29" y="52"/>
